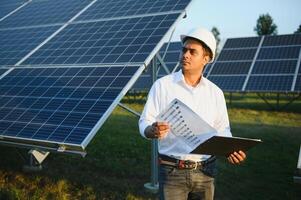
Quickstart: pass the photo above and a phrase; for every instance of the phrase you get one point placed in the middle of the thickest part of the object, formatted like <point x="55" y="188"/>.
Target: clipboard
<point x="224" y="146"/>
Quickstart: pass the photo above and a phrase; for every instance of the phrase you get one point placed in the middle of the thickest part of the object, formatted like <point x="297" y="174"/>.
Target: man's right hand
<point x="157" y="130"/>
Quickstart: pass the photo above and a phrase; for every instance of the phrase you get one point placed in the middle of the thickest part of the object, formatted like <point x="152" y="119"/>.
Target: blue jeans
<point x="182" y="184"/>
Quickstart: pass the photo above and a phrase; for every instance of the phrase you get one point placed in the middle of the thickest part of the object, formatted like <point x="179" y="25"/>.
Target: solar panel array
<point x="65" y="64"/>
<point x="259" y="64"/>
<point x="253" y="64"/>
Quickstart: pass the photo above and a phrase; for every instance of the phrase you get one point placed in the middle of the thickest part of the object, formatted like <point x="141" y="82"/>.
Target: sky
<point x="237" y="18"/>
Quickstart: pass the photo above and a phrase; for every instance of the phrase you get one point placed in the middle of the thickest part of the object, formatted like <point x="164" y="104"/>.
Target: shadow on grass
<point x="118" y="164"/>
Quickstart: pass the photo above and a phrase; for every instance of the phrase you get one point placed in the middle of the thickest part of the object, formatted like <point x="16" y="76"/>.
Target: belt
<point x="184" y="164"/>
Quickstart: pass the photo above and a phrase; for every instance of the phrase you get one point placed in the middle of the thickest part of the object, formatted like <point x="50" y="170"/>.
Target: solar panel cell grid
<point x="2" y="71"/>
<point x="228" y="83"/>
<point x="242" y="42"/>
<point x="275" y="67"/>
<point x="270" y="83"/>
<point x="103" y="45"/>
<point x="15" y="44"/>
<point x="279" y="53"/>
<point x="282" y="40"/>
<point x="231" y="68"/>
<point x="44" y="13"/>
<point x="8" y="6"/>
<point x="49" y="111"/>
<point x="121" y="8"/>
<point x="237" y="54"/>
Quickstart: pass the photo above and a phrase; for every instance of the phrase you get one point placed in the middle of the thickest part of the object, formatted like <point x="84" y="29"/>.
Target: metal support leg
<point x="35" y="160"/>
<point x="153" y="186"/>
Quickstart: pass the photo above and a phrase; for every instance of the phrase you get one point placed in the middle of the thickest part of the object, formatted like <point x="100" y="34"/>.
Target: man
<point x="189" y="176"/>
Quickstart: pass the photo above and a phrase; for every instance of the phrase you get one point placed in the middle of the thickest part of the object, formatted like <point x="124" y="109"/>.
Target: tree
<point x="216" y="34"/>
<point x="298" y="30"/>
<point x="265" y="25"/>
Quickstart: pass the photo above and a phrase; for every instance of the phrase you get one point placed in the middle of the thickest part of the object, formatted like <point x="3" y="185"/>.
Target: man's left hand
<point x="237" y="157"/>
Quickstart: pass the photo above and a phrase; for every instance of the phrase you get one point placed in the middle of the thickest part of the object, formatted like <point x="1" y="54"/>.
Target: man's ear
<point x="206" y="59"/>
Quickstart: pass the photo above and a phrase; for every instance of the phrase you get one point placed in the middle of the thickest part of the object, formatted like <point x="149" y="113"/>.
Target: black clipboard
<point x="224" y="146"/>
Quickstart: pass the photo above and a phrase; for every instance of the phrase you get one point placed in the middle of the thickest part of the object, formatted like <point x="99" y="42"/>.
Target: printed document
<point x="184" y="123"/>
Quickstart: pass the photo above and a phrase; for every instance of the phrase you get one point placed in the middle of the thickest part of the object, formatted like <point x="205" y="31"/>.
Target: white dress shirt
<point x="206" y="99"/>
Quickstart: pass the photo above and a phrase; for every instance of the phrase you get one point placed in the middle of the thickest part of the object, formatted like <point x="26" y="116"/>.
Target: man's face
<point x="193" y="58"/>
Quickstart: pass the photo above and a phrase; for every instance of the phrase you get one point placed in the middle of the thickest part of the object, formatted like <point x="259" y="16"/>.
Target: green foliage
<point x="216" y="34"/>
<point x="265" y="25"/>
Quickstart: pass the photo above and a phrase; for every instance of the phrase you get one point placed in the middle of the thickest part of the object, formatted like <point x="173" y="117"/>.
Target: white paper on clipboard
<point x="186" y="125"/>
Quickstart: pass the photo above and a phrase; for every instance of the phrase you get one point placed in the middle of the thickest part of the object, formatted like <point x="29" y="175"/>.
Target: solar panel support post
<point x="129" y="109"/>
<point x="153" y="185"/>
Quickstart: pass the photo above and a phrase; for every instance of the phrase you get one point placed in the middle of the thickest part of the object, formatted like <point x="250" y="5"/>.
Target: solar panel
<point x="275" y="67"/>
<point x="231" y="68"/>
<point x="123" y="8"/>
<point x="2" y="71"/>
<point x="112" y="41"/>
<point x="69" y="63"/>
<point x="228" y="83"/>
<point x="242" y="42"/>
<point x="282" y="40"/>
<point x="237" y="54"/>
<point x="8" y="6"/>
<point x="16" y="43"/>
<point x="279" y="53"/>
<point x="270" y="83"/>
<point x="59" y="105"/>
<point x="268" y="64"/>
<point x="44" y="12"/>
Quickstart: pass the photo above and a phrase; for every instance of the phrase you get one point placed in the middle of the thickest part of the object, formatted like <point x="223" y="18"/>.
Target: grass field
<point x="118" y="160"/>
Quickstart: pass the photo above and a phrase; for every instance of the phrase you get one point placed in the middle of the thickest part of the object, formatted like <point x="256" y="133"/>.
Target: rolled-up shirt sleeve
<point x="151" y="109"/>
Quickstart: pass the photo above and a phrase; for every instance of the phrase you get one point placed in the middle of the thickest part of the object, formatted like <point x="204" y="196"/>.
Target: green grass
<point x="118" y="160"/>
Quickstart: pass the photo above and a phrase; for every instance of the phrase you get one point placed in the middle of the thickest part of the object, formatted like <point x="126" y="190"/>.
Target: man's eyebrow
<point x="188" y="48"/>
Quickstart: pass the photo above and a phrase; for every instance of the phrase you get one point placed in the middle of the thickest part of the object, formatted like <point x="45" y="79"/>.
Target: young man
<point x="195" y="179"/>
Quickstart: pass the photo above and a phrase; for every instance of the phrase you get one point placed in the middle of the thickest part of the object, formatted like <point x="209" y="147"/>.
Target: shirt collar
<point x="179" y="78"/>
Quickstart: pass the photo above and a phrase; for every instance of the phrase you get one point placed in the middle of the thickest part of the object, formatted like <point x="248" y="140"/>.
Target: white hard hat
<point x="203" y="35"/>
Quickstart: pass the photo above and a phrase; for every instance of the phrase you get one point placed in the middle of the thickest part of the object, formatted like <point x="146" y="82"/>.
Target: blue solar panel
<point x="267" y="62"/>
<point x="44" y="12"/>
<point x="282" y="40"/>
<point x="231" y="68"/>
<point x="237" y="54"/>
<point x="8" y="6"/>
<point x="17" y="43"/>
<point x="104" y="9"/>
<point x="270" y="83"/>
<point x="2" y="71"/>
<point x="275" y="67"/>
<point x="60" y="105"/>
<point x="228" y="83"/>
<point x="242" y="42"/>
<point x="113" y="41"/>
<point x="279" y="53"/>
